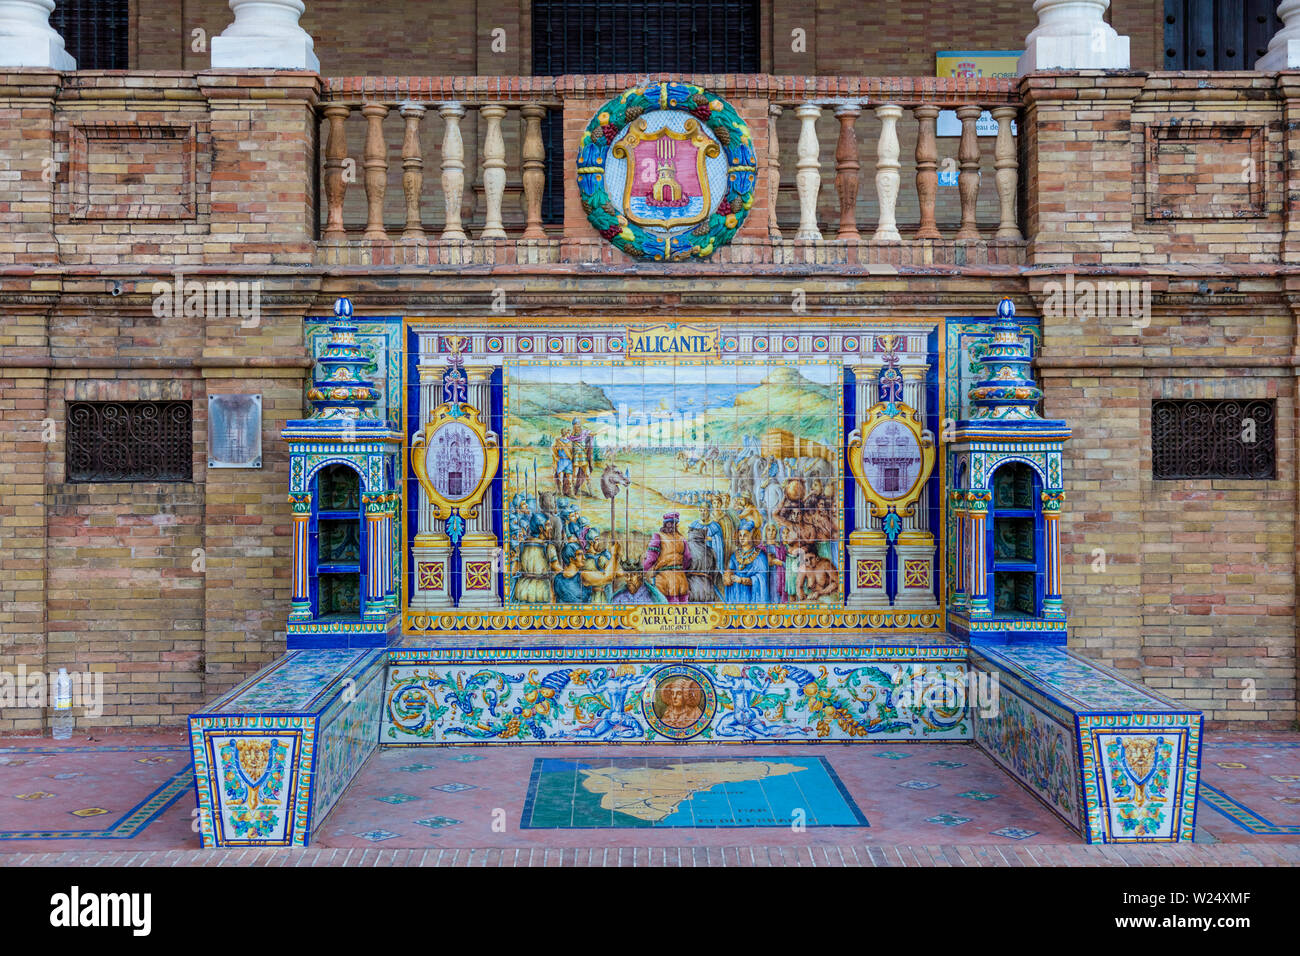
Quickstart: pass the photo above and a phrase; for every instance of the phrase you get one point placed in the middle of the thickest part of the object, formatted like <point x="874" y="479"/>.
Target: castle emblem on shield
<point x="666" y="183"/>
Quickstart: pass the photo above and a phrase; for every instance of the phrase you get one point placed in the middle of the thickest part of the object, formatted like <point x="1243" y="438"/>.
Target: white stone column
<point x="1284" y="49"/>
<point x="1073" y="35"/>
<point x="478" y="548"/>
<point x="27" y="39"/>
<point x="265" y="35"/>
<point x="494" y="171"/>
<point x="808" y="175"/>
<point x="887" y="167"/>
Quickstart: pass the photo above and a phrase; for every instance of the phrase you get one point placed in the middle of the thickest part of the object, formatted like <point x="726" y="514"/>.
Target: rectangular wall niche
<point x="1206" y="171"/>
<point x="234" y="431"/>
<point x="133" y="171"/>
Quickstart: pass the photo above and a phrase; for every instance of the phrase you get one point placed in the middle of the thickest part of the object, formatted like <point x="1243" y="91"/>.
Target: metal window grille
<point x="1213" y="439"/>
<point x="1218" y="34"/>
<point x="130" y="441"/>
<point x="95" y="32"/>
<point x="627" y="36"/>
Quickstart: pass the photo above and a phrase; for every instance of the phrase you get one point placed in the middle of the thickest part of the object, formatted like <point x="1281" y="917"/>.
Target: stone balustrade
<point x="464" y="145"/>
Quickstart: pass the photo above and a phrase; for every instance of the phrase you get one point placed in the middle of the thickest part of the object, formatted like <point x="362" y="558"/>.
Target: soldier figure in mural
<point x="572" y="456"/>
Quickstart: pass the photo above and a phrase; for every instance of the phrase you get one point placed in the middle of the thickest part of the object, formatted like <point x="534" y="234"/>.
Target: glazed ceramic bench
<point x="1116" y="762"/>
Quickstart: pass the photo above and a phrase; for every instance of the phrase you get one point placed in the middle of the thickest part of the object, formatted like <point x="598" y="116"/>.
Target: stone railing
<point x="372" y="127"/>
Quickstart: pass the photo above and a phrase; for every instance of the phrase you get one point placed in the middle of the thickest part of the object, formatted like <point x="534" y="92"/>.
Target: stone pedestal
<point x="1073" y="35"/>
<point x="914" y="571"/>
<point x="479" y="564"/>
<point x="867" y="582"/>
<point x="1284" y="49"/>
<point x="27" y="39"/>
<point x="431" y="587"/>
<point x="265" y="35"/>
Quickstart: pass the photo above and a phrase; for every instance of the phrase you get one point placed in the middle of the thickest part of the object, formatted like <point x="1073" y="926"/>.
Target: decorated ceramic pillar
<point x="1053" y="500"/>
<point x="868" y="549"/>
<point x="915" y="547"/>
<point x="455" y="458"/>
<point x="343" y="462"/>
<point x="479" y="549"/>
<point x="300" y="609"/>
<point x="1009" y="546"/>
<point x="960" y="594"/>
<point x="431" y="549"/>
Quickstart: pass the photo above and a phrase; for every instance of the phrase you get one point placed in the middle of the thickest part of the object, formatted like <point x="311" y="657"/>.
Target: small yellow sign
<point x="974" y="64"/>
<point x="672" y="342"/>
<point x="674" y="618"/>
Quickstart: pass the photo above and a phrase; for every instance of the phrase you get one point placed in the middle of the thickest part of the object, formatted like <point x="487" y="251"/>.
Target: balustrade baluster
<point x="927" y="164"/>
<point x="809" y="175"/>
<point x="336" y="152"/>
<point x="534" y="174"/>
<point x="1007" y="166"/>
<point x="846" y="170"/>
<point x="773" y="171"/>
<point x="494" y="171"/>
<point x="887" y="177"/>
<point x="412" y="170"/>
<point x="376" y="166"/>
<point x="968" y="181"/>
<point x="453" y="170"/>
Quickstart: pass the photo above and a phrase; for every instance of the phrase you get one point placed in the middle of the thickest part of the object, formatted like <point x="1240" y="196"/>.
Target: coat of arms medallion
<point x="666" y="171"/>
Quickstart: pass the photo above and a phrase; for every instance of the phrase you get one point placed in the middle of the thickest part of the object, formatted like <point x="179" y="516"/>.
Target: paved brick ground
<point x="384" y="819"/>
<point x="1235" y="854"/>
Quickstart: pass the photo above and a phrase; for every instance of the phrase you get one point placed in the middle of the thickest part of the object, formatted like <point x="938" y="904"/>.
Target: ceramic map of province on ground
<point x="674" y="484"/>
<point x="684" y="792"/>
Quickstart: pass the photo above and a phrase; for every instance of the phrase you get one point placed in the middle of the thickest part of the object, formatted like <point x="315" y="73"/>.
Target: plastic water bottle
<point x="62" y="723"/>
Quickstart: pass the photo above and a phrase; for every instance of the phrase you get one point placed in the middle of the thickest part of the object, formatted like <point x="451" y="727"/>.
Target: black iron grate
<point x="130" y="441"/>
<point x="1230" y="438"/>
<point x="95" y="32"/>
<point x="627" y="36"/>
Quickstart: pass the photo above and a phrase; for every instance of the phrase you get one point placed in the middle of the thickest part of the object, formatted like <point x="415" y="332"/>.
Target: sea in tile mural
<point x="661" y="484"/>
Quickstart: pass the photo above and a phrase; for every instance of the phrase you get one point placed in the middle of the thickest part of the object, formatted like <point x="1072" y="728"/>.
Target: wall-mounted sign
<point x="234" y="431"/>
<point x="971" y="64"/>
<point x="671" y="342"/>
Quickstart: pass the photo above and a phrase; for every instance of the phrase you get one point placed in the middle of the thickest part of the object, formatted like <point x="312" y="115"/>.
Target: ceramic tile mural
<point x="1140" y="776"/>
<point x="688" y="477"/>
<point x="1035" y="748"/>
<point x="703" y="484"/>
<point x="349" y="734"/>
<point x="295" y="683"/>
<point x="650" y="702"/>
<point x="687" y="791"/>
<point x="1078" y="682"/>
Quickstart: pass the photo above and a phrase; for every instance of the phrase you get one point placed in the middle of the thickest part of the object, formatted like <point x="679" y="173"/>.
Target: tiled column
<point x="379" y="558"/>
<point x="478" y="548"/>
<point x="867" y="545"/>
<point x="914" y="549"/>
<point x="1053" y="499"/>
<point x="977" y="509"/>
<point x="957" y="501"/>
<point x="431" y="550"/>
<point x="300" y="609"/>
